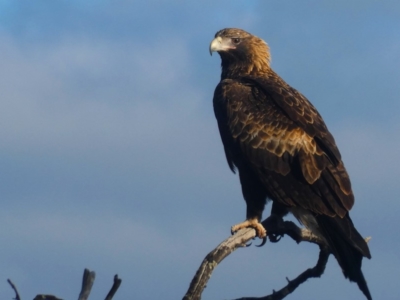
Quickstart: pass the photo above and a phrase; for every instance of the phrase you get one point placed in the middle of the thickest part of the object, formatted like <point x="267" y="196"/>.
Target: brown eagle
<point x="283" y="151"/>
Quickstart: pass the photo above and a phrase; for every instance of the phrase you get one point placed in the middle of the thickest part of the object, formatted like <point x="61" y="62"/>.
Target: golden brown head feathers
<point x="241" y="53"/>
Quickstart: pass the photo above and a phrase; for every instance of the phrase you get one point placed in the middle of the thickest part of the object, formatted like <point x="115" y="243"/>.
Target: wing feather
<point x="297" y="107"/>
<point x="277" y="130"/>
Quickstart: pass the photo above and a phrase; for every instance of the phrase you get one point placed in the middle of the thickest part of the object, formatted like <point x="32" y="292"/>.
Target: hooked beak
<point x="219" y="44"/>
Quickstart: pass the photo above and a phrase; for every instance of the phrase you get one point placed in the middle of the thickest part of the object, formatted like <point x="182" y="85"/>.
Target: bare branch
<point x="213" y="258"/>
<point x="87" y="283"/>
<point x="114" y="288"/>
<point x="46" y="297"/>
<point x="275" y="229"/>
<point x="15" y="289"/>
<point x="292" y="285"/>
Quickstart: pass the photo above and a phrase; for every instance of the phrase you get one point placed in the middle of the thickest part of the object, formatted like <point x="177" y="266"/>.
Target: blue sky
<point x="110" y="157"/>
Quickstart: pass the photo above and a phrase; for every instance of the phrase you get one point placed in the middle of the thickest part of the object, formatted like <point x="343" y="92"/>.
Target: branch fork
<point x="276" y="228"/>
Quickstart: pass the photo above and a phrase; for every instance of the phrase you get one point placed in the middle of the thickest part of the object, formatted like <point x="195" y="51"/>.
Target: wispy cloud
<point x="110" y="153"/>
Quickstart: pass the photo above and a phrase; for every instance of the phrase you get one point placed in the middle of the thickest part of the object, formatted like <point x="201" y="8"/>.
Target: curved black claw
<point x="264" y="240"/>
<point x="248" y="245"/>
<point x="274" y="238"/>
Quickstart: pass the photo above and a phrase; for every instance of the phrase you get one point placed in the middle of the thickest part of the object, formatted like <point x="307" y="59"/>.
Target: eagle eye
<point x="236" y="40"/>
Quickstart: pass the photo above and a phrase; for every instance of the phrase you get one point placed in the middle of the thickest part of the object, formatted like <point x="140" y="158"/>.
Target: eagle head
<point x="241" y="52"/>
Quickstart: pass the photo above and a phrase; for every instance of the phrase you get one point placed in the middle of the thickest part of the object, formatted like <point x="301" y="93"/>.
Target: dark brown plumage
<point x="283" y="150"/>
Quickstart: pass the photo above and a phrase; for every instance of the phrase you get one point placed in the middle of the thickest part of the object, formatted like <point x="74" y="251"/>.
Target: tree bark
<point x="276" y="228"/>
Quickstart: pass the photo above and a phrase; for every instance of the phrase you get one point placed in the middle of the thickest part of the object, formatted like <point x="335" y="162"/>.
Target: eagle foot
<point x="274" y="238"/>
<point x="274" y="224"/>
<point x="254" y="223"/>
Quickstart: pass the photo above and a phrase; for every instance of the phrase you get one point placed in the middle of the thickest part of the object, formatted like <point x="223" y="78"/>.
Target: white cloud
<point x="82" y="96"/>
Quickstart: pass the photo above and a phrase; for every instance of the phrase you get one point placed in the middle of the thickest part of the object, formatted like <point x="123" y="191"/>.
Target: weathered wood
<point x="114" y="288"/>
<point x="87" y="283"/>
<point x="275" y="229"/>
<point x="46" y="297"/>
<point x="15" y="289"/>
<point x="292" y="285"/>
<point x="213" y="258"/>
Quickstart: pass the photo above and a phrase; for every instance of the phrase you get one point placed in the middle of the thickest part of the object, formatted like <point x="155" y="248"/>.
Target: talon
<point x="264" y="240"/>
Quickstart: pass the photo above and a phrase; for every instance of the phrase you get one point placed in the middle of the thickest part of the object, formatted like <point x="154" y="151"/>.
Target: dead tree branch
<point x="213" y="258"/>
<point x="292" y="285"/>
<point x="46" y="297"/>
<point x="87" y="283"/>
<point x="276" y="228"/>
<point x="15" y="289"/>
<point x="117" y="283"/>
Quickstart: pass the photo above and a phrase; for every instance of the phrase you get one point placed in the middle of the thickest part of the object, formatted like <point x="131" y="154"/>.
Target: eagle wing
<point x="270" y="126"/>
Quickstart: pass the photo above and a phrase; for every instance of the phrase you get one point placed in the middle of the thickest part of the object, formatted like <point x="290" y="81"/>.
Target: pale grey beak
<point x="215" y="44"/>
<point x="219" y="44"/>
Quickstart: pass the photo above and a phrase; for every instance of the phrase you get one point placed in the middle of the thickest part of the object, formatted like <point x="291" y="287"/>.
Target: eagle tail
<point x="348" y="246"/>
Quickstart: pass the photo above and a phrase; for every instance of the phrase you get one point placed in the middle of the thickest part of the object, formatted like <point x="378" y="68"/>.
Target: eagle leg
<point x="254" y="223"/>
